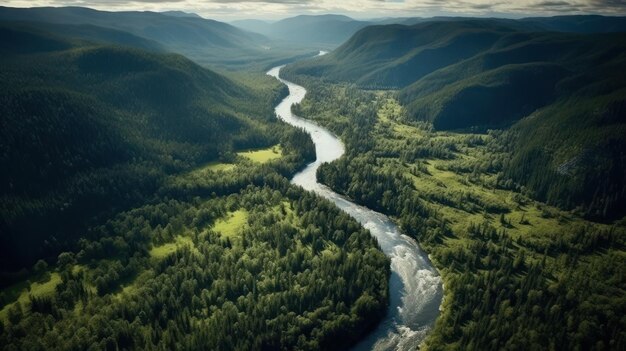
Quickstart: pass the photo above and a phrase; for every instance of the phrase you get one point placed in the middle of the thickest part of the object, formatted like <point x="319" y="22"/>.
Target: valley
<point x="175" y="182"/>
<point x="415" y="286"/>
<point x="525" y="258"/>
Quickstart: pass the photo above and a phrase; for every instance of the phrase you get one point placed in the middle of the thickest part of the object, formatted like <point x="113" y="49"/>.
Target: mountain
<point x="181" y="14"/>
<point x="89" y="129"/>
<point x="519" y="74"/>
<point x="253" y="25"/>
<point x="85" y="32"/>
<point x="459" y="74"/>
<point x="132" y="189"/>
<point x="201" y="39"/>
<point x="561" y="93"/>
<point x="323" y="29"/>
<point x="567" y="24"/>
<point x="398" y="55"/>
<point x="578" y="24"/>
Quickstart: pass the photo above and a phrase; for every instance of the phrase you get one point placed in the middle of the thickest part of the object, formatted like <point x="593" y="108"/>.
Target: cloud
<point x="232" y="9"/>
<point x="550" y="4"/>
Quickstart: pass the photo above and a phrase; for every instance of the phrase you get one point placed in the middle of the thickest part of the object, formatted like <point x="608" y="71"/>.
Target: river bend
<point x="415" y="287"/>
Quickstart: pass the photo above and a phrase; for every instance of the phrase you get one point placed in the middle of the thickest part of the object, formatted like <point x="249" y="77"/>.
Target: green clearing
<point x="231" y="225"/>
<point x="218" y="167"/>
<point x="133" y="285"/>
<point x="21" y="291"/>
<point x="522" y="215"/>
<point x="263" y="155"/>
<point x="482" y="230"/>
<point x="162" y="251"/>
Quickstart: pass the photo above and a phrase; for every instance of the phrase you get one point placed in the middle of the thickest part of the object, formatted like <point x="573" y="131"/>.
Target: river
<point x="415" y="288"/>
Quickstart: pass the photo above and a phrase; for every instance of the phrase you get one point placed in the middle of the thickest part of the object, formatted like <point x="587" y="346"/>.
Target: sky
<point x="227" y="10"/>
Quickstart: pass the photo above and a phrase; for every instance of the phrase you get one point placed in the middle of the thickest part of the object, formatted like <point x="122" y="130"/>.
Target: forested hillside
<point x="205" y="41"/>
<point x="145" y="206"/>
<point x="479" y="74"/>
<point x="175" y="32"/>
<point x="518" y="274"/>
<point x="88" y="129"/>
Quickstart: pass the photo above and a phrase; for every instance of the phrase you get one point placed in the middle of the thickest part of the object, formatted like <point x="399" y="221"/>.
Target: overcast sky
<point x="274" y="9"/>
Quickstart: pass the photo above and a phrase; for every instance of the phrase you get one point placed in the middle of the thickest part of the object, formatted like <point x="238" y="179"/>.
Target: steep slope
<point x="525" y="71"/>
<point x="396" y="55"/>
<point x="84" y="32"/>
<point x="479" y="74"/>
<point x="88" y="129"/>
<point x="573" y="154"/>
<point x="122" y="181"/>
<point x="201" y="39"/>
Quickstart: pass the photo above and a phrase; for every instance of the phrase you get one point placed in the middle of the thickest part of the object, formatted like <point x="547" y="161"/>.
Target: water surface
<point x="415" y="288"/>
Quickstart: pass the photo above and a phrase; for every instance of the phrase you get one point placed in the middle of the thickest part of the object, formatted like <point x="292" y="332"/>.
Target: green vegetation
<point x="203" y="40"/>
<point x="162" y="251"/>
<point x="146" y="205"/>
<point x="216" y="167"/>
<point x="90" y="130"/>
<point x="518" y="273"/>
<point x="24" y="291"/>
<point x="262" y="155"/>
<point x="476" y="74"/>
<point x="198" y="290"/>
<point x="232" y="224"/>
<point x="130" y="174"/>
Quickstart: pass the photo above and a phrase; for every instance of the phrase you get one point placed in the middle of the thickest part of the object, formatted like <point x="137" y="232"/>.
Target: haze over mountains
<point x="322" y="29"/>
<point x="336" y="29"/>
<point x="203" y="40"/>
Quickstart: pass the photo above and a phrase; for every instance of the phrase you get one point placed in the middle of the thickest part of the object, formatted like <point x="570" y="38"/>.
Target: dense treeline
<point x="126" y="166"/>
<point x="518" y="274"/>
<point x="298" y="274"/>
<point x="563" y="93"/>
<point x="90" y="130"/>
<point x="589" y="177"/>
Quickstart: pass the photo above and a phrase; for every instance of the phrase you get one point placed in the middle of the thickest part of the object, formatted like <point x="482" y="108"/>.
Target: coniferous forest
<point x="142" y="222"/>
<point x="149" y="200"/>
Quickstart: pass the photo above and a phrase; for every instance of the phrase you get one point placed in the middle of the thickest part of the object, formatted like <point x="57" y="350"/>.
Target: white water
<point x="415" y="288"/>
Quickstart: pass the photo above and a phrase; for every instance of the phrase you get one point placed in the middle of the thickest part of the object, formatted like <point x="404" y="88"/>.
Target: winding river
<point x="415" y="287"/>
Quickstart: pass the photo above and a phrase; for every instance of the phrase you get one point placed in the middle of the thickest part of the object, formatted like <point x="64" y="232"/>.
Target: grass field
<point x="21" y="291"/>
<point x="262" y="155"/>
<point x="463" y="197"/>
<point x="231" y="225"/>
<point x="218" y="166"/>
<point x="159" y="252"/>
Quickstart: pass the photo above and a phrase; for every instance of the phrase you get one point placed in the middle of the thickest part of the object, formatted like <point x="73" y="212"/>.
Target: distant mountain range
<point x="169" y="30"/>
<point x="203" y="40"/>
<point x="449" y="70"/>
<point x="336" y="29"/>
<point x="568" y="88"/>
<point x="181" y="14"/>
<point x="323" y="29"/>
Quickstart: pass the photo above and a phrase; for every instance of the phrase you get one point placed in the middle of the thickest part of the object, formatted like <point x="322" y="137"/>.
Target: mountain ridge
<point x="90" y="128"/>
<point x="479" y="74"/>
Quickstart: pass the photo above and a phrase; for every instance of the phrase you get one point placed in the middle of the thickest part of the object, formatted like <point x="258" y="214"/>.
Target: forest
<point x="518" y="274"/>
<point x="145" y="200"/>
<point x="559" y="93"/>
<point x="146" y="205"/>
